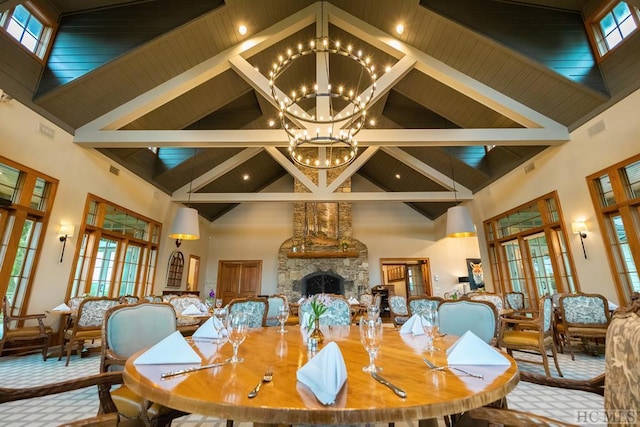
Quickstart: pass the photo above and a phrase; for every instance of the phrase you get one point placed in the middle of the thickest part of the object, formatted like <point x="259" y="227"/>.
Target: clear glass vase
<point x="317" y="333"/>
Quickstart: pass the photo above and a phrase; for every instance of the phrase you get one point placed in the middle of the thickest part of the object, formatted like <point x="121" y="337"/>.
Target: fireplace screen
<point x="322" y="283"/>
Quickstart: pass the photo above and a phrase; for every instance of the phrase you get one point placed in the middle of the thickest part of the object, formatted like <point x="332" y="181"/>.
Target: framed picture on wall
<point x="476" y="275"/>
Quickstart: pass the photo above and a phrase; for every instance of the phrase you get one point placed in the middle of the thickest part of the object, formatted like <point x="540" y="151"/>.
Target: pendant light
<point x="459" y="222"/>
<point x="185" y="224"/>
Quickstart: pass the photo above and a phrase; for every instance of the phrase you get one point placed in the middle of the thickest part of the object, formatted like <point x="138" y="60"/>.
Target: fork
<point x="442" y="368"/>
<point x="266" y="378"/>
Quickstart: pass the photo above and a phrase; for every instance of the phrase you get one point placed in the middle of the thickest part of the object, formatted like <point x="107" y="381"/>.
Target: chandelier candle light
<point x="326" y="128"/>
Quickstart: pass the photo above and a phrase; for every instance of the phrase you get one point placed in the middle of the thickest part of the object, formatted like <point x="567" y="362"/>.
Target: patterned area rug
<point x="30" y="370"/>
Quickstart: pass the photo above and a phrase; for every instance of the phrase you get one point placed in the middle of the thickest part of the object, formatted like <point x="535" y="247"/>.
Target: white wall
<point x="564" y="168"/>
<point x="81" y="171"/>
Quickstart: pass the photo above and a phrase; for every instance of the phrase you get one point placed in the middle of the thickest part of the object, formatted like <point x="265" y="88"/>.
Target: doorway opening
<point x="406" y="276"/>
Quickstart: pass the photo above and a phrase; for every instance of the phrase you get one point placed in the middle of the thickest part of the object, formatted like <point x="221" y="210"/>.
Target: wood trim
<point x="324" y="254"/>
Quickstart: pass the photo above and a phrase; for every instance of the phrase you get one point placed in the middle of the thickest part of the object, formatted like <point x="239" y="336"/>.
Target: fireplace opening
<point x="322" y="282"/>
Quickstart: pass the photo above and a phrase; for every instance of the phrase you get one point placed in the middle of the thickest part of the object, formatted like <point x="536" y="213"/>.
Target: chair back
<point x="153" y="298"/>
<point x="494" y="299"/>
<point x="398" y="305"/>
<point x="129" y="328"/>
<point x="584" y="310"/>
<point x="180" y="303"/>
<point x="129" y="299"/>
<point x="420" y="303"/>
<point x="366" y="299"/>
<point x="622" y="386"/>
<point x="91" y="312"/>
<point x="256" y="307"/>
<point x="514" y="300"/>
<point x="338" y="313"/>
<point x="275" y="302"/>
<point x="74" y="302"/>
<point x="478" y="316"/>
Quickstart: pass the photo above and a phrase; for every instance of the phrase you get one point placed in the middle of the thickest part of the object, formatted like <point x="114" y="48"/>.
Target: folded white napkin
<point x="192" y="310"/>
<point x="353" y="301"/>
<point x="300" y="300"/>
<point x="612" y="306"/>
<point x="469" y="349"/>
<point x="325" y="374"/>
<point x="61" y="307"/>
<point x="208" y="329"/>
<point x="172" y="349"/>
<point x="412" y="326"/>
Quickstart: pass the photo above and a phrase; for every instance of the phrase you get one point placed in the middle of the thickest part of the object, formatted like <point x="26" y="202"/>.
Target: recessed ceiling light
<point x="245" y="176"/>
<point x="397" y="176"/>
<point x="242" y="29"/>
<point x="400" y="29"/>
<point x="387" y="68"/>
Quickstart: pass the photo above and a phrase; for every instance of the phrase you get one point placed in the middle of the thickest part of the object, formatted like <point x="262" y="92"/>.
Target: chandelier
<point x="323" y="138"/>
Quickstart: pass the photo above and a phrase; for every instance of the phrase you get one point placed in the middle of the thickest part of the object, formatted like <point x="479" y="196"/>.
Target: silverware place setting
<point x="435" y="367"/>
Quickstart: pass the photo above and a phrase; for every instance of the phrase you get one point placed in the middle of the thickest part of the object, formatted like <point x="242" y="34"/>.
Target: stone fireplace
<point x="322" y="256"/>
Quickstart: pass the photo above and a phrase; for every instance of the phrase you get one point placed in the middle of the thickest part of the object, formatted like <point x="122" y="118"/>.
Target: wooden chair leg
<point x="555" y="359"/>
<point x="545" y="361"/>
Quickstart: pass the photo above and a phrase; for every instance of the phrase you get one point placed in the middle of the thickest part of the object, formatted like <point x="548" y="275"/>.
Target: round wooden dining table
<point x="222" y="392"/>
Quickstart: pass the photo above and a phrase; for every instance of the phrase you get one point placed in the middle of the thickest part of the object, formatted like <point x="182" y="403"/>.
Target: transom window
<point x="28" y="26"/>
<point x="613" y="24"/>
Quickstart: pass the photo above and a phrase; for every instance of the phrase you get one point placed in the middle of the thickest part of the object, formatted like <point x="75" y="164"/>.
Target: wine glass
<point x="370" y="337"/>
<point x="238" y="326"/>
<point x="429" y="320"/>
<point x="373" y="312"/>
<point x="219" y="320"/>
<point x="283" y="315"/>
<point x="218" y="302"/>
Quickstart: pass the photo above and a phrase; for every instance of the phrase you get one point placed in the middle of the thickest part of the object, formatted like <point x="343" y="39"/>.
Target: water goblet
<point x="283" y="315"/>
<point x="218" y="302"/>
<point x="238" y="327"/>
<point x="219" y="320"/>
<point x="373" y="312"/>
<point x="370" y="337"/>
<point x="429" y="320"/>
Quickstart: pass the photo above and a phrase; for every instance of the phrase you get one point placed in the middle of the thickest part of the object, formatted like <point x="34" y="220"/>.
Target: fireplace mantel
<point x="324" y="254"/>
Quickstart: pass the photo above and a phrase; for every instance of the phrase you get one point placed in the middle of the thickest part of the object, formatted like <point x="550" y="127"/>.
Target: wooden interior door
<point x="238" y="279"/>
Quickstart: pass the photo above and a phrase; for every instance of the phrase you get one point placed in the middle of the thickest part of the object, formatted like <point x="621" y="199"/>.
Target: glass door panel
<point x="542" y="268"/>
<point x="103" y="269"/>
<point x="625" y="264"/>
<point x="129" y="276"/>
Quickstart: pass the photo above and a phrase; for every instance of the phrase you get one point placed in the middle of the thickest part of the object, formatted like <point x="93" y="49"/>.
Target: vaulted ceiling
<point x="467" y="74"/>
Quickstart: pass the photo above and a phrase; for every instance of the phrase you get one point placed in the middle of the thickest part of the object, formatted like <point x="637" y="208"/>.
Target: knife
<point x="187" y="370"/>
<point x="395" y="389"/>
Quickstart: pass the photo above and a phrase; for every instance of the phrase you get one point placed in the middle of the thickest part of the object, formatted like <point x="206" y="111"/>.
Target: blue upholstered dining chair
<point x="584" y="316"/>
<point x="129" y="328"/>
<point x="399" y="309"/>
<point x="275" y="302"/>
<point x="459" y="316"/>
<point x="514" y="300"/>
<point x="256" y="307"/>
<point x="337" y="314"/>
<point x="421" y="303"/>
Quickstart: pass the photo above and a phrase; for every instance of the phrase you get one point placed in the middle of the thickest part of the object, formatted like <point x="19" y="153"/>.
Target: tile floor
<point x="25" y="371"/>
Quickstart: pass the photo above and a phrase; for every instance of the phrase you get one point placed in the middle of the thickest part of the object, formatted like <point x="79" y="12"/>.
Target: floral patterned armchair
<point x="420" y="303"/>
<point x="186" y="324"/>
<point x="621" y="389"/>
<point x="514" y="300"/>
<point x="338" y="312"/>
<point x="87" y="324"/>
<point x="399" y="309"/>
<point x="494" y="299"/>
<point x="257" y="309"/>
<point x="584" y="316"/>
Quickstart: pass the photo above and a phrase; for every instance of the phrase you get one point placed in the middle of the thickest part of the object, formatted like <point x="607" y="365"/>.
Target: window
<point x="27" y="198"/>
<point x="26" y="24"/>
<point x="615" y="192"/>
<point x="118" y="252"/>
<point x="612" y="25"/>
<point x="528" y="252"/>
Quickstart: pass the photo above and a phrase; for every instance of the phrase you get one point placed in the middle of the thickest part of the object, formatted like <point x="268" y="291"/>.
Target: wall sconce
<point x="580" y="228"/>
<point x="66" y="231"/>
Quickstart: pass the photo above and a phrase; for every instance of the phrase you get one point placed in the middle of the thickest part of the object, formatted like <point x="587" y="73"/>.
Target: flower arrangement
<point x="319" y="306"/>
<point x="212" y="296"/>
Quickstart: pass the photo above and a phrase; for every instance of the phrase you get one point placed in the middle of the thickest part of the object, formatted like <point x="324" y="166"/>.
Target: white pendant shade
<point x="459" y="223"/>
<point x="185" y="225"/>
